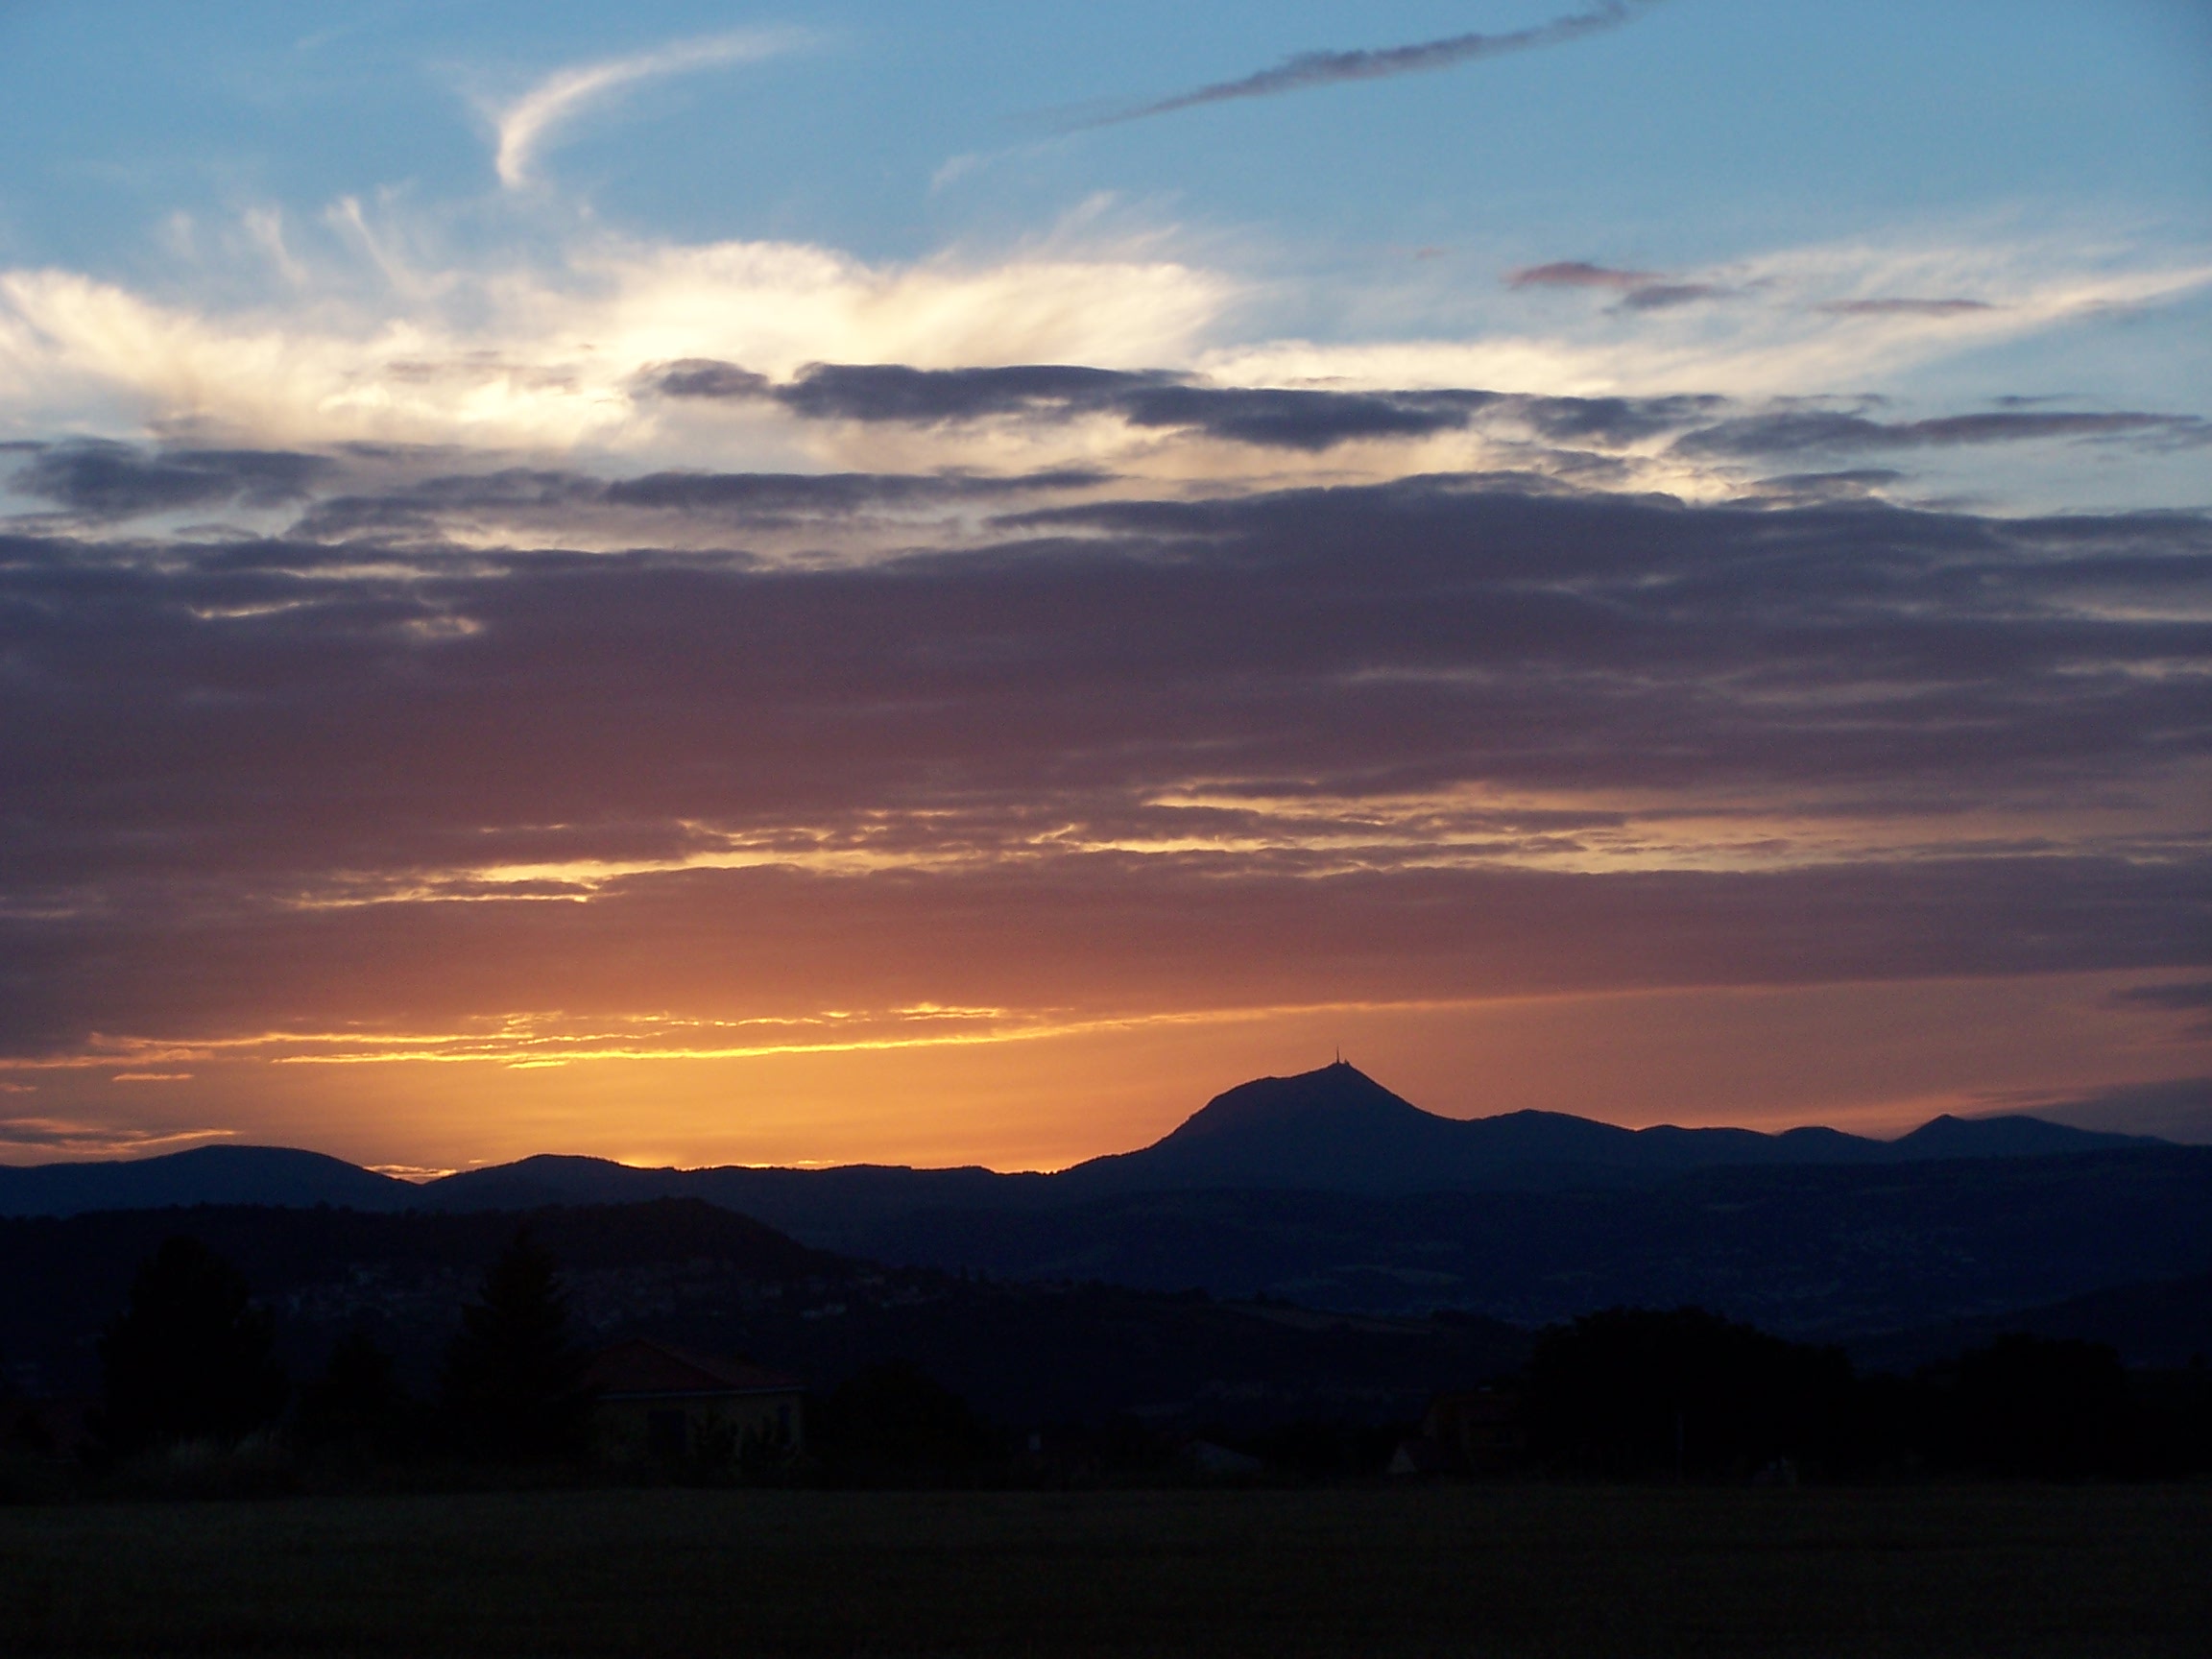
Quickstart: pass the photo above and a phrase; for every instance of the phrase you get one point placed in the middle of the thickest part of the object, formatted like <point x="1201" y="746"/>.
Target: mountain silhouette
<point x="1332" y="1130"/>
<point x="1337" y="1130"/>
<point x="2010" y="1137"/>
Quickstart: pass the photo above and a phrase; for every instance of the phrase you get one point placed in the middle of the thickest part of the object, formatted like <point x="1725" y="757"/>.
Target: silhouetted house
<point x="1483" y="1425"/>
<point x="1209" y="1458"/>
<point x="1422" y="1455"/>
<point x="651" y="1400"/>
<point x="1475" y="1432"/>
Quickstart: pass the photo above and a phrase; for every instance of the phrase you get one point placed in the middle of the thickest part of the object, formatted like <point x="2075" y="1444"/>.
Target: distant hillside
<point x="2167" y="1322"/>
<point x="688" y="1272"/>
<point x="1809" y="1250"/>
<point x="202" y="1175"/>
<point x="828" y="1207"/>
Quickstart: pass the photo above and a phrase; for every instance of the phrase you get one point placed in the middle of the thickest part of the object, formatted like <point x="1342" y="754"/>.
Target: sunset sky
<point x="940" y="581"/>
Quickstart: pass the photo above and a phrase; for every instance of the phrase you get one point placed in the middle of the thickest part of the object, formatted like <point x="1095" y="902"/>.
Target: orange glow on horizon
<point x="1043" y="1094"/>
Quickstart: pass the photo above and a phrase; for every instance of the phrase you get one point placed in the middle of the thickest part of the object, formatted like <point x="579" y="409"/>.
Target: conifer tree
<point x="514" y="1383"/>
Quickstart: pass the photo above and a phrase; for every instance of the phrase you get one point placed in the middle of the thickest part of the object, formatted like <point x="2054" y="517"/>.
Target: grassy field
<point x="2092" y="1572"/>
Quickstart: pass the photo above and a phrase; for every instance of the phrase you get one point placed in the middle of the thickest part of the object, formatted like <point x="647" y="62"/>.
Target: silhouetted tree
<point x="356" y="1404"/>
<point x="189" y="1356"/>
<point x="2035" y="1405"/>
<point x="1636" y="1391"/>
<point x="894" y="1417"/>
<point x="20" y="1429"/>
<point x="514" y="1383"/>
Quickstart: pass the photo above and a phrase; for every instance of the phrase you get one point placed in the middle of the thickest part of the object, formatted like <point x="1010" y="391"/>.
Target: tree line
<point x="1636" y="1393"/>
<point x="190" y="1363"/>
<point x="191" y="1358"/>
<point x="1622" y="1394"/>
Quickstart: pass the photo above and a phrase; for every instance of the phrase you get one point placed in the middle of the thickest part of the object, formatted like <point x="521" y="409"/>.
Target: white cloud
<point x="529" y="124"/>
<point x="1772" y="330"/>
<point x="548" y="359"/>
<point x="377" y="333"/>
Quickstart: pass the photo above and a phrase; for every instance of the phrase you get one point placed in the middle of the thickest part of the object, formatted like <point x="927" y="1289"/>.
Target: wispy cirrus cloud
<point x="1639" y="290"/>
<point x="1906" y="307"/>
<point x="528" y="125"/>
<point x="2190" y="996"/>
<point x="1306" y="70"/>
<point x="1580" y="273"/>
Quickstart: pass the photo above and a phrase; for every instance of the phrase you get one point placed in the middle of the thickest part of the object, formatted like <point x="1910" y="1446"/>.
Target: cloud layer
<point x="376" y="334"/>
<point x="1440" y="737"/>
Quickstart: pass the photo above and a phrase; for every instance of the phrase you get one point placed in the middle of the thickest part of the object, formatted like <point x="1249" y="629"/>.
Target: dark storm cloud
<point x="1275" y="418"/>
<point x="107" y="480"/>
<point x="1310" y="69"/>
<point x="198" y="740"/>
<point x="1800" y="431"/>
<point x="829" y="493"/>
<point x="1269" y="417"/>
<point x="895" y="391"/>
<point x="1301" y="420"/>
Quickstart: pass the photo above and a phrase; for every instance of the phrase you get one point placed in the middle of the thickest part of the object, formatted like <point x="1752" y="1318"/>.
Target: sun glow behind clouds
<point x="1032" y="1098"/>
<point x="513" y="601"/>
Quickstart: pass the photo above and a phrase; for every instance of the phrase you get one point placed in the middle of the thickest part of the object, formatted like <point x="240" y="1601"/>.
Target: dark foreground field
<point x="1465" y="1571"/>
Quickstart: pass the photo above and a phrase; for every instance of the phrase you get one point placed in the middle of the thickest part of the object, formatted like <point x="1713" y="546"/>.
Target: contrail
<point x="1326" y="68"/>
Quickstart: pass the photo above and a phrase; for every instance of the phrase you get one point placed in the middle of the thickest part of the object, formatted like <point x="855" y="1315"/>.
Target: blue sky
<point x="1704" y="129"/>
<point x="1992" y="144"/>
<point x="783" y="563"/>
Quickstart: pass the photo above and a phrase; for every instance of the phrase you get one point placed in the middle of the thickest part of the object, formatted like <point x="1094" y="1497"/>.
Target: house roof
<point x="640" y="1366"/>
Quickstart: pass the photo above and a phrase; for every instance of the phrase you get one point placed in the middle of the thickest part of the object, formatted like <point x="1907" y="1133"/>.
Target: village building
<point x="655" y="1403"/>
<point x="1474" y="1432"/>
